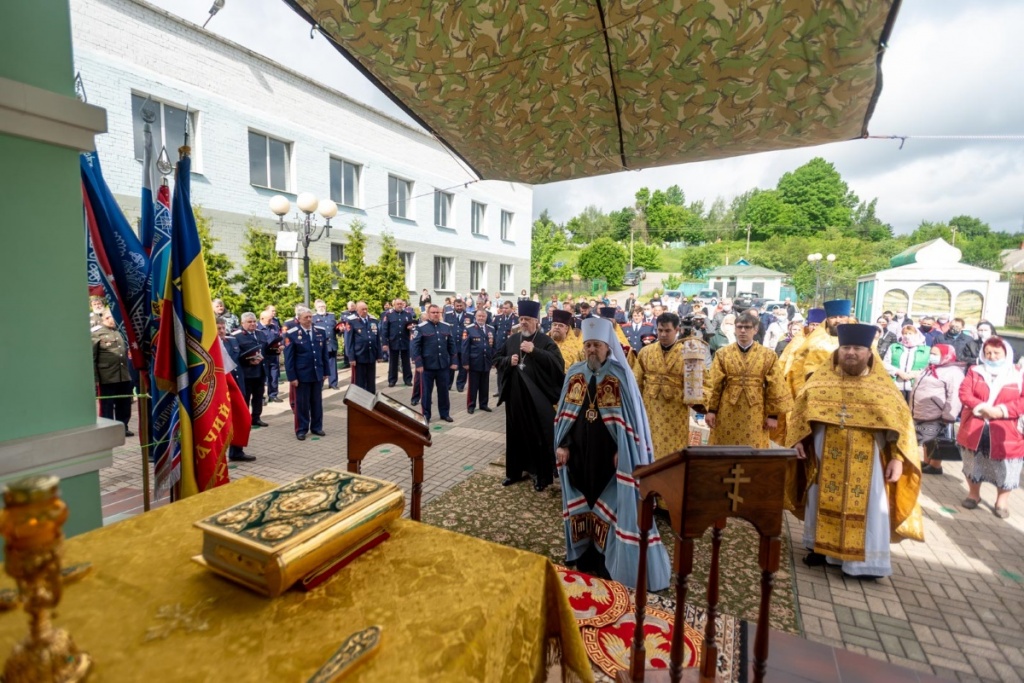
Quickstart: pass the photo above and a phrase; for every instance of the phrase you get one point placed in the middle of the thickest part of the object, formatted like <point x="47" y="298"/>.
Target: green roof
<point x="744" y="271"/>
<point x="909" y="255"/>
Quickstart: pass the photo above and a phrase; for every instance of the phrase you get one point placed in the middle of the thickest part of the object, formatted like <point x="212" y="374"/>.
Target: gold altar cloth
<point x="451" y="607"/>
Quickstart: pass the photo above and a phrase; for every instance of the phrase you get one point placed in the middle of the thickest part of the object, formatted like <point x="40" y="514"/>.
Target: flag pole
<point x="144" y="430"/>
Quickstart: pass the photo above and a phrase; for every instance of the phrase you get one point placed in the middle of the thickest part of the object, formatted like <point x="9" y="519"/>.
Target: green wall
<point x="47" y="359"/>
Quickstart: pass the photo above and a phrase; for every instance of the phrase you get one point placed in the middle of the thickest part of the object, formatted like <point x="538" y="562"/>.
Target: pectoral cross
<point x="842" y="415"/>
<point x="735" y="480"/>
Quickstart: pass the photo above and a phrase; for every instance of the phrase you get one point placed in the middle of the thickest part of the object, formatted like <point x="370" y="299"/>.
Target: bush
<point x="604" y="258"/>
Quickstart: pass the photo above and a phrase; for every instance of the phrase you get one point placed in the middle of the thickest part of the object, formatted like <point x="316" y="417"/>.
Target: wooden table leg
<point x="769" y="561"/>
<point x="417" y="485"/>
<point x="709" y="653"/>
<point x="638" y="654"/>
<point x="684" y="562"/>
<point x="355" y="466"/>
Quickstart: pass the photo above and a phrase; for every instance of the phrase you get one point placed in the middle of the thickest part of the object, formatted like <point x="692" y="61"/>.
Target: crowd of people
<point x="592" y="389"/>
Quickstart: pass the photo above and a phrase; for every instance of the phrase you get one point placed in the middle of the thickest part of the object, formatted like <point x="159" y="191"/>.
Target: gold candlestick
<point x="32" y="526"/>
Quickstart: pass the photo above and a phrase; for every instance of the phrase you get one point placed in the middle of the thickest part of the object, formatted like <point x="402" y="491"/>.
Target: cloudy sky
<point x="952" y="68"/>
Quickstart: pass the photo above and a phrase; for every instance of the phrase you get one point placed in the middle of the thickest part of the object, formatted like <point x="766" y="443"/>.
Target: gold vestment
<point x="742" y="390"/>
<point x="571" y="348"/>
<point x="661" y="375"/>
<point x="813" y="353"/>
<point x="852" y="409"/>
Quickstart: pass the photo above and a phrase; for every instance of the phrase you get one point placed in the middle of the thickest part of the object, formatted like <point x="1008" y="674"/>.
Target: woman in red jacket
<point x="992" y="394"/>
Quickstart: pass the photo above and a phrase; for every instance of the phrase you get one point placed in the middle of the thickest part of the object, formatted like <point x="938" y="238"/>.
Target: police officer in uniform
<point x="328" y="322"/>
<point x="638" y="332"/>
<point x="545" y="322"/>
<point x="459" y="320"/>
<point x="433" y="350"/>
<point x="362" y="347"/>
<point x="235" y="354"/>
<point x="476" y="354"/>
<point x="395" y="329"/>
<point x="417" y="376"/>
<point x="269" y="328"/>
<point x="110" y="367"/>
<point x="305" y="362"/>
<point x="252" y="349"/>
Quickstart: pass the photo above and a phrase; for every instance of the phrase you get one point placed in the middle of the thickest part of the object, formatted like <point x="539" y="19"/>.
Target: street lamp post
<point x="815" y="260"/>
<point x="307" y="228"/>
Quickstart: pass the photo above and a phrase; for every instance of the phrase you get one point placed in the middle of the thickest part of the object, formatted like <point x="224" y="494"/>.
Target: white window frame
<point x="160" y="132"/>
<point x="447" y="200"/>
<point x="478" y="217"/>
<point x="289" y="147"/>
<point x="400" y="182"/>
<point x="477" y="275"/>
<point x="409" y="262"/>
<point x="507" y="218"/>
<point x="506" y="280"/>
<point x="356" y="192"/>
<point x="337" y="263"/>
<point x="449" y="284"/>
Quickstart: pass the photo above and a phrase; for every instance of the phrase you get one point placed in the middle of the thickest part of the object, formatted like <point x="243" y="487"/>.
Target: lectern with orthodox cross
<point x="702" y="487"/>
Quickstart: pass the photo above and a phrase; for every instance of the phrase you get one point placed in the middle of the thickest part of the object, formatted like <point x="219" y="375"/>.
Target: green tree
<point x="674" y="196"/>
<point x="386" y="278"/>
<point x="590" y="224"/>
<point x="646" y="256"/>
<point x="543" y="247"/>
<point x="621" y="221"/>
<point x="697" y="261"/>
<point x="324" y="283"/>
<point x="928" y="231"/>
<point x="603" y="259"/>
<point x="969" y="226"/>
<point x="768" y="214"/>
<point x="819" y="194"/>
<point x="866" y="224"/>
<point x="218" y="266"/>
<point x="265" y="277"/>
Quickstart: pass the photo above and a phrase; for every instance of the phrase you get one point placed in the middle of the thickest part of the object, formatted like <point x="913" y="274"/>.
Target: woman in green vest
<point x="907" y="358"/>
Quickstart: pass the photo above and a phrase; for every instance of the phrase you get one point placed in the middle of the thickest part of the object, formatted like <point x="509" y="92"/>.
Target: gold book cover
<point x="272" y="541"/>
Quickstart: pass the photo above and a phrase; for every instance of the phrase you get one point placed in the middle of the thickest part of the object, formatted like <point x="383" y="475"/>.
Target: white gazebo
<point x="928" y="279"/>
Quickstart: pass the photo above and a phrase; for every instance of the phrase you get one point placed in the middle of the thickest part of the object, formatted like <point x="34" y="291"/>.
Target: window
<point x="477" y="275"/>
<point x="506" y="225"/>
<point x="269" y="161"/>
<point x="399" y="195"/>
<point x="477" y="222"/>
<point x="409" y="263"/>
<point x="444" y="279"/>
<point x="506" y="284"/>
<point x="345" y="182"/>
<point x="337" y="256"/>
<point x="168" y="128"/>
<point x="442" y="208"/>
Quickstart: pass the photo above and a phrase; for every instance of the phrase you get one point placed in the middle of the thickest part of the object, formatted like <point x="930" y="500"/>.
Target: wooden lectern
<point x="703" y="486"/>
<point x="376" y="419"/>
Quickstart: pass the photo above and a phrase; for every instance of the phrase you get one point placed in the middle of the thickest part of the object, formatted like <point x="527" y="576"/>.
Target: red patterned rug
<point x="605" y="612"/>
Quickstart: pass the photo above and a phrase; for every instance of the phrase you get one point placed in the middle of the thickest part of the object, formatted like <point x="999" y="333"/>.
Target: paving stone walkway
<point x="954" y="607"/>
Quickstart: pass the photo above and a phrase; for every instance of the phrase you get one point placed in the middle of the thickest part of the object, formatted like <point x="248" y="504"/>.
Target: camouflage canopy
<point x="543" y="90"/>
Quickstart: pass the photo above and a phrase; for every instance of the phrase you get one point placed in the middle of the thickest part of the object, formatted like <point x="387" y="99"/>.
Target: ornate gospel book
<point x="300" y="530"/>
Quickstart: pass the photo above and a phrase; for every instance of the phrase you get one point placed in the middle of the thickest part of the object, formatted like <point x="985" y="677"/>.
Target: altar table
<point x="451" y="608"/>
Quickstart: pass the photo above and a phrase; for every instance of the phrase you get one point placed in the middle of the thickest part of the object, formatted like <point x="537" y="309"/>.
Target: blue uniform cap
<point x="857" y="334"/>
<point x="838" y="307"/>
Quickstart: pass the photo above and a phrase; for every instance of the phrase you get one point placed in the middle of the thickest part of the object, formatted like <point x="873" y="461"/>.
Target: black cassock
<point x="591" y="453"/>
<point x="530" y="392"/>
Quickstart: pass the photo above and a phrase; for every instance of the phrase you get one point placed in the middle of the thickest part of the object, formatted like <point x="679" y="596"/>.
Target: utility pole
<point x="748" y="239"/>
<point x="632" y="229"/>
<point x="954" y="228"/>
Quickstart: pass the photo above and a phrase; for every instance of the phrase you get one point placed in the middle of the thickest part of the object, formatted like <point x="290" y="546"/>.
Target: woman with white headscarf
<point x="992" y="447"/>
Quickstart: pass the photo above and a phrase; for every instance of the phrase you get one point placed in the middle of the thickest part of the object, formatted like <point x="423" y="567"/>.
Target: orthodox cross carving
<point x="842" y="415"/>
<point x="736" y="480"/>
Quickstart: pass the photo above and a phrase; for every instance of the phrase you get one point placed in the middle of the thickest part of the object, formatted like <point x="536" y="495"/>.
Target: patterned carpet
<point x="520" y="517"/>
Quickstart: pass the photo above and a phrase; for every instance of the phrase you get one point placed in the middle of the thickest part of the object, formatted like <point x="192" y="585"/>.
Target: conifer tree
<point x="264" y="278"/>
<point x="218" y="266"/>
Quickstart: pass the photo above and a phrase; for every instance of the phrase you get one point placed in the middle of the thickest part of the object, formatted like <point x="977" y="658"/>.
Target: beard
<point x="594" y="363"/>
<point x="557" y="334"/>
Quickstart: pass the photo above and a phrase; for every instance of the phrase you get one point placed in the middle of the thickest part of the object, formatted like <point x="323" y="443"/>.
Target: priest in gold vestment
<point x="858" y="487"/>
<point x="815" y="317"/>
<point x="817" y="350"/>
<point x="562" y="333"/>
<point x="666" y="388"/>
<point x="745" y="392"/>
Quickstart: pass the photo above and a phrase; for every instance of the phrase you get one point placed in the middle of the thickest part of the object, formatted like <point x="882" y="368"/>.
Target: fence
<point x="1015" y="301"/>
<point x="570" y="287"/>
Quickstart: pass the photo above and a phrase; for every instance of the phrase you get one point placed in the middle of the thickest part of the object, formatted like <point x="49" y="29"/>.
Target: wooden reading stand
<point x="703" y="486"/>
<point x="375" y="419"/>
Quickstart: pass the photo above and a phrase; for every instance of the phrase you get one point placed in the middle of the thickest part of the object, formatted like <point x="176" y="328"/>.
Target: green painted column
<point x="47" y="368"/>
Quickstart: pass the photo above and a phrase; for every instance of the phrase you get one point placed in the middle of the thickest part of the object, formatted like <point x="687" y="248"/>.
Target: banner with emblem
<point x="116" y="258"/>
<point x="188" y="358"/>
<point x="155" y="233"/>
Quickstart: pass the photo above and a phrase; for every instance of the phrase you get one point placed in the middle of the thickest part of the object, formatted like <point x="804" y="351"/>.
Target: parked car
<point x="671" y="298"/>
<point x="632" y="278"/>
<point x="744" y="300"/>
<point x="642" y="272"/>
<point x="709" y="297"/>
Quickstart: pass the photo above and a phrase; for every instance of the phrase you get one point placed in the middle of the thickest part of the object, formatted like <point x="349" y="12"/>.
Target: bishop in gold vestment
<point x="668" y="386"/>
<point x="858" y="481"/>
<point x="745" y="392"/>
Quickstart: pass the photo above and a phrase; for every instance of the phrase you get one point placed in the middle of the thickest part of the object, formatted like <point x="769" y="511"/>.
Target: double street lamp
<point x="305" y="228"/>
<point x="815" y="260"/>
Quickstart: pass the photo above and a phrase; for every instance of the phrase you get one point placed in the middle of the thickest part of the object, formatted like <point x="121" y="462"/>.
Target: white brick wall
<point x="126" y="46"/>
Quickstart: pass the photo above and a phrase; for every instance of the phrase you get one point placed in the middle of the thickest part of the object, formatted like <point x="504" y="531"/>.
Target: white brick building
<point x="261" y="129"/>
